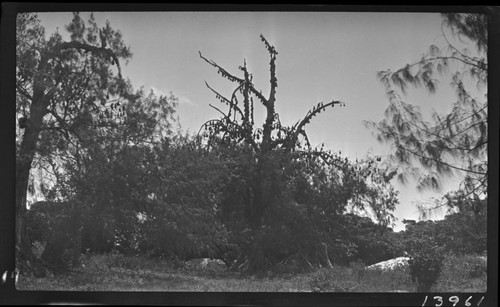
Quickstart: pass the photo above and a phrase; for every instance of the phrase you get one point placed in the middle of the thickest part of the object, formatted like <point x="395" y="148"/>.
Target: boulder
<point x="391" y="264"/>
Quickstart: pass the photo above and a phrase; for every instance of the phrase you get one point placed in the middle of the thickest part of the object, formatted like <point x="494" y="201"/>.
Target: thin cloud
<point x="181" y="98"/>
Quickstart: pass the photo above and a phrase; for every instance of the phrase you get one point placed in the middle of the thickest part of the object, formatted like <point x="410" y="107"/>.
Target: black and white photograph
<point x="256" y="151"/>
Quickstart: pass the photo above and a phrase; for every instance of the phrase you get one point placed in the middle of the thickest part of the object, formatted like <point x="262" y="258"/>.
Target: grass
<point x="130" y="273"/>
<point x="462" y="273"/>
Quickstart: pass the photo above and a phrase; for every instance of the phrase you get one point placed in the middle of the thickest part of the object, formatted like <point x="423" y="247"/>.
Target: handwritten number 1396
<point x="453" y="299"/>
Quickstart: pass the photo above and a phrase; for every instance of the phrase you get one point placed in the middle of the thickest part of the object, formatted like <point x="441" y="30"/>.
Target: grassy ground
<point x="120" y="273"/>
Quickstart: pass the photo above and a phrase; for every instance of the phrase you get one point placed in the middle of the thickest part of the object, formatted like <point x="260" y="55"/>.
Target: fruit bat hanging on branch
<point x="23" y="122"/>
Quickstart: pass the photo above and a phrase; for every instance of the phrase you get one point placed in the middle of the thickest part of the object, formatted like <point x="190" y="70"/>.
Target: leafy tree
<point x="425" y="251"/>
<point x="109" y="173"/>
<point x="181" y="212"/>
<point x="115" y="171"/>
<point x="452" y="143"/>
<point x="464" y="229"/>
<point x="373" y="242"/>
<point x="61" y="87"/>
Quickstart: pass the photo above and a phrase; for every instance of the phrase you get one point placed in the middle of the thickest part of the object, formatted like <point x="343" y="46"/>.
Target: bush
<point x="425" y="267"/>
<point x="463" y="273"/>
<point x="335" y="279"/>
<point x="125" y="262"/>
<point x="291" y="266"/>
<point x="38" y="247"/>
<point x="476" y="267"/>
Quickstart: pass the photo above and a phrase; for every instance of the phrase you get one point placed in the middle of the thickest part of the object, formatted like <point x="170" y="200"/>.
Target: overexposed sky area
<point x="322" y="56"/>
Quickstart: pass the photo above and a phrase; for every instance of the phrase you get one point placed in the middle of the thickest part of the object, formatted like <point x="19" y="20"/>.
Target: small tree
<point x="115" y="171"/>
<point x="425" y="251"/>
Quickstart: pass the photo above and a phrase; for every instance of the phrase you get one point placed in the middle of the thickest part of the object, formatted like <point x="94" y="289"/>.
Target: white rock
<point x="390" y="264"/>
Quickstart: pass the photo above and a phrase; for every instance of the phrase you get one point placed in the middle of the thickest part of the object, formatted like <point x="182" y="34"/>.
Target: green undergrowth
<point x="466" y="273"/>
<point x="115" y="272"/>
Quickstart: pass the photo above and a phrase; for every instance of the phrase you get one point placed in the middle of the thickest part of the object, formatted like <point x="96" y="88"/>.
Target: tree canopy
<point x="74" y="107"/>
<point x="454" y="143"/>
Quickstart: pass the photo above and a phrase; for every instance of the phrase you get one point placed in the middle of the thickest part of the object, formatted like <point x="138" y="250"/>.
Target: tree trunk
<point x="23" y="167"/>
<point x="328" y="263"/>
<point x="259" y="199"/>
<point x="23" y="245"/>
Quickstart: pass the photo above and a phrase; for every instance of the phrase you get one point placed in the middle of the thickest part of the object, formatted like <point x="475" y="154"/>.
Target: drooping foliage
<point x="450" y="144"/>
<point x="454" y="143"/>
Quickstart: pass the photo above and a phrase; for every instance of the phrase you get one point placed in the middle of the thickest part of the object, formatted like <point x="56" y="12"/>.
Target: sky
<point x="321" y="56"/>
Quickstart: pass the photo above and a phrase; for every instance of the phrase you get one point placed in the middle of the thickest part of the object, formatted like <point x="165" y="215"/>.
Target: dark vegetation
<point x="119" y="180"/>
<point x="430" y="243"/>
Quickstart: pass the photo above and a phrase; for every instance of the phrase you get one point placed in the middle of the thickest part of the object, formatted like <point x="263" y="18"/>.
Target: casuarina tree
<point x="61" y="86"/>
<point x="453" y="143"/>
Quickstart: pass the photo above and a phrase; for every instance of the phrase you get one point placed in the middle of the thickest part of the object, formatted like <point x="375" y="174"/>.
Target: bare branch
<point x="467" y="117"/>
<point x="223" y="114"/>
<point x="310" y="114"/>
<point x="259" y="95"/>
<point x="455" y="48"/>
<point x="229" y="102"/>
<point x="442" y="162"/>
<point x="224" y="72"/>
<point x="269" y="47"/>
<point x="435" y="134"/>
<point x="63" y="124"/>
<point x="272" y="69"/>
<point x="234" y="100"/>
<point x="23" y="91"/>
<point x="58" y="129"/>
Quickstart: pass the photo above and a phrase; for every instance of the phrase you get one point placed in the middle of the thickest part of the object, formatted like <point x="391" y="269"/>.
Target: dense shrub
<point x="335" y="279"/>
<point x="465" y="231"/>
<point x="464" y="272"/>
<point x="425" y="251"/>
<point x="462" y="232"/>
<point x="57" y="226"/>
<point x="183" y="201"/>
<point x="373" y="242"/>
<point x="305" y="216"/>
<point x="425" y="267"/>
